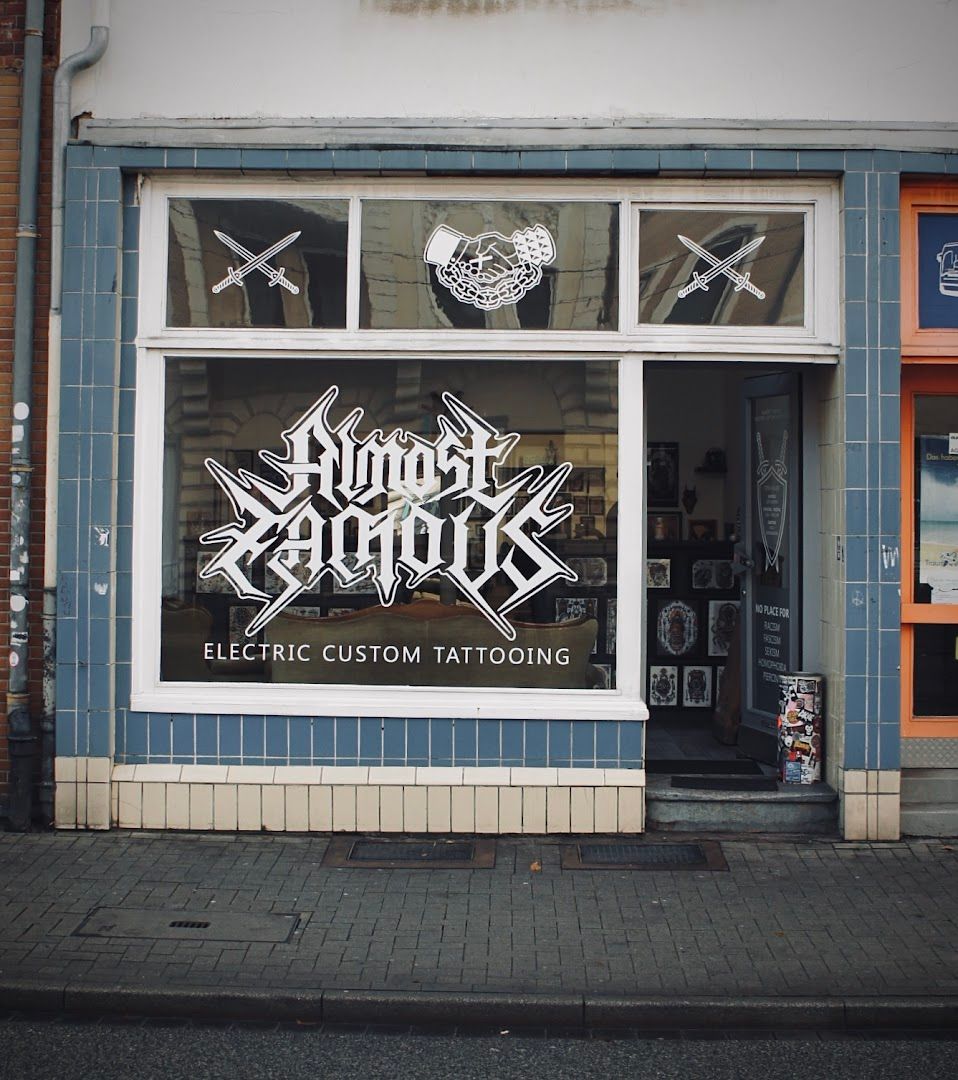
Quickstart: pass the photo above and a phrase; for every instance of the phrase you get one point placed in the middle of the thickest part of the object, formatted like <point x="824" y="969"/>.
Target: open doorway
<point x="723" y="570"/>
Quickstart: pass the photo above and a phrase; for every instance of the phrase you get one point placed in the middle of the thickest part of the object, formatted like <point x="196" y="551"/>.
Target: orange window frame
<point x="917" y="345"/>
<point x="929" y="366"/>
<point x="918" y="379"/>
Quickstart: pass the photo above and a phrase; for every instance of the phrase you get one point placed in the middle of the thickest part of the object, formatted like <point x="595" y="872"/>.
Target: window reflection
<point x="302" y="285"/>
<point x="477" y="599"/>
<point x="496" y="265"/>
<point x="762" y="286"/>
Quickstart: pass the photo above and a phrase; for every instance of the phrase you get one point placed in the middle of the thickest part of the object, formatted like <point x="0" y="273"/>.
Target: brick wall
<point x="11" y="63"/>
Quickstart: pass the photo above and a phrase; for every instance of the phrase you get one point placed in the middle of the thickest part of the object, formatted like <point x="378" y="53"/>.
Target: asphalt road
<point x="61" y="1049"/>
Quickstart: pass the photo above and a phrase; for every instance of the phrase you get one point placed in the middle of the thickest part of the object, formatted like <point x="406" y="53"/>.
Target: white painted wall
<point x="863" y="60"/>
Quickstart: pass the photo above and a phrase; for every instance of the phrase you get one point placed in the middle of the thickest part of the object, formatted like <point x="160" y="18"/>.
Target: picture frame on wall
<point x="591" y="570"/>
<point x="723" y="617"/>
<point x="662" y="474"/>
<point x="702" y="573"/>
<point x="658" y="573"/>
<point x="696" y="687"/>
<point x="570" y="608"/>
<point x="676" y="628"/>
<point x="703" y="529"/>
<point x="665" y="528"/>
<point x="663" y="685"/>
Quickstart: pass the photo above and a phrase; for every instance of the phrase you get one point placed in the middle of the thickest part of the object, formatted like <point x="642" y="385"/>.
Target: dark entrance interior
<point x="705" y="557"/>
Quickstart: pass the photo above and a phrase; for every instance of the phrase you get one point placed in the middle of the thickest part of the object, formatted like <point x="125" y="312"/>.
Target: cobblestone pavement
<point x="815" y="917"/>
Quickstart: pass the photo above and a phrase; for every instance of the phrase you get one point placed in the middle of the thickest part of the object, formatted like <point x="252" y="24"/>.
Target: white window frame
<point x="819" y="340"/>
<point x="149" y="693"/>
<point x="628" y="345"/>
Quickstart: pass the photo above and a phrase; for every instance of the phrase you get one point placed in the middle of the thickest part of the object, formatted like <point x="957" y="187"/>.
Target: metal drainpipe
<point x="99" y="37"/>
<point x="22" y="741"/>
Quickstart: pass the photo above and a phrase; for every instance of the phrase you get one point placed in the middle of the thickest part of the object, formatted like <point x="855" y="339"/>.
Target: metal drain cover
<point x="187" y="925"/>
<point x="408" y="854"/>
<point x="701" y="855"/>
<point x="376" y="851"/>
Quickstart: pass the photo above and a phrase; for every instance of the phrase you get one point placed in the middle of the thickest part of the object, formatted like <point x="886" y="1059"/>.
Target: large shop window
<point x="415" y="522"/>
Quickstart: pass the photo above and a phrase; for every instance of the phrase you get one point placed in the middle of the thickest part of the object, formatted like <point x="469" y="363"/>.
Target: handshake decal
<point x="490" y="270"/>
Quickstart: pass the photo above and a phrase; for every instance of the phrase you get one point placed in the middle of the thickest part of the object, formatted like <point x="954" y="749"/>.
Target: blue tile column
<point x="871" y="399"/>
<point x="87" y="585"/>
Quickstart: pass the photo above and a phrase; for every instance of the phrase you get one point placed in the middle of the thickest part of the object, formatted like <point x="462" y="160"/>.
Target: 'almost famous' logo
<point x="389" y="508"/>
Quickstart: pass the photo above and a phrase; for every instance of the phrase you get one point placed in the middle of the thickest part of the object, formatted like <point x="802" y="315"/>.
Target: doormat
<point x="642" y="855"/>
<point x="187" y="925"/>
<point x="726" y="783"/>
<point x="702" y="766"/>
<point x="437" y="854"/>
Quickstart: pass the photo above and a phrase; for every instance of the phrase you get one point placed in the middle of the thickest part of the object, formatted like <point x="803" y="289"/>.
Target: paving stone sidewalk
<point x="816" y="917"/>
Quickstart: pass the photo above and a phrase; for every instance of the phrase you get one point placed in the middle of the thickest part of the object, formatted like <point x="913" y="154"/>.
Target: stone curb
<point x="465" y="1009"/>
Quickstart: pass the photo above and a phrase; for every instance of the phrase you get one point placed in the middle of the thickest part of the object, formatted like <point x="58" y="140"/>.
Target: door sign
<point x="771" y="484"/>
<point x="490" y="270"/>
<point x="725" y="267"/>
<point x="261" y="262"/>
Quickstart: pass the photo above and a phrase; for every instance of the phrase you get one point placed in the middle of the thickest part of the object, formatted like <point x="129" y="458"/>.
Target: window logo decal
<point x="403" y="500"/>
<point x="948" y="269"/>
<point x="725" y="267"/>
<point x="490" y="270"/>
<point x="276" y="275"/>
<point x="771" y="487"/>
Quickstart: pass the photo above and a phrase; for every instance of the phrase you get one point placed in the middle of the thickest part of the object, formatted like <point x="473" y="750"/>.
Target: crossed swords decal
<point x="721" y="266"/>
<point x="275" y="274"/>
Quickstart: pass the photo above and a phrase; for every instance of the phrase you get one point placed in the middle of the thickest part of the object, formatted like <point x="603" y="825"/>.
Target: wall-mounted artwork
<point x="723" y="617"/>
<point x="696" y="687"/>
<point x="592" y="571"/>
<point x="703" y="529"/>
<point x="663" y="686"/>
<point x="663" y="474"/>
<point x="664" y="528"/>
<point x="576" y="607"/>
<point x="712" y="574"/>
<point x="677" y="628"/>
<point x="658" y="573"/>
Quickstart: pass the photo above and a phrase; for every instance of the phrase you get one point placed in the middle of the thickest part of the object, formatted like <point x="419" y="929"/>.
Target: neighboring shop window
<point x="938" y="271"/>
<point x="936" y="499"/>
<point x="493" y="265"/>
<point x="717" y="267"/>
<point x="935" y="670"/>
<point x="257" y="262"/>
<point x="929" y="582"/>
<point x="403" y="521"/>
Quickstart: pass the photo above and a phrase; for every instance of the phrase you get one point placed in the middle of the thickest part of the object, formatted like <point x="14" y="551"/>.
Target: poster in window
<point x="937" y="521"/>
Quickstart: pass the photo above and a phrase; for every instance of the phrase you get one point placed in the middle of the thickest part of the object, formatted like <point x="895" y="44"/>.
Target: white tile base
<point x="83" y="793"/>
<point x="870" y="804"/>
<point x="336" y="799"/>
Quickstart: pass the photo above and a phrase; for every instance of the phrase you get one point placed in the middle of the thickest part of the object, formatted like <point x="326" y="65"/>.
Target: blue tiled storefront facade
<point x="94" y="719"/>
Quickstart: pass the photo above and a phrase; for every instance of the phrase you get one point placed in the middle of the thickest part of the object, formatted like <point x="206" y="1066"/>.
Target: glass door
<point x="771" y="602"/>
<point x="929" y="483"/>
